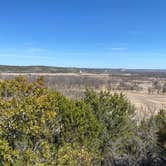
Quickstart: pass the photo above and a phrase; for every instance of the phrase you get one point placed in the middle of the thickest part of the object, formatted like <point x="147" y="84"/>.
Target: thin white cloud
<point x="100" y="44"/>
<point x="29" y="43"/>
<point x="9" y="55"/>
<point x="136" y="32"/>
<point x="18" y="56"/>
<point x="37" y="49"/>
<point x="118" y="48"/>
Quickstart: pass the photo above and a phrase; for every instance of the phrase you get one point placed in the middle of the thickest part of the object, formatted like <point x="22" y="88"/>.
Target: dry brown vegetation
<point x="40" y="126"/>
<point x="147" y="91"/>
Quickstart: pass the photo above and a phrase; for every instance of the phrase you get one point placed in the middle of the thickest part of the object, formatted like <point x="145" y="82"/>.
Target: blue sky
<point x="83" y="33"/>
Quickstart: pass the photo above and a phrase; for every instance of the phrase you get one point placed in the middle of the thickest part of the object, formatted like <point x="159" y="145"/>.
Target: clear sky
<point x="83" y="33"/>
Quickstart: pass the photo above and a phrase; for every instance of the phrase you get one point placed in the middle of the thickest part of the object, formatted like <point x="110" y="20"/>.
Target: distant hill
<point x="49" y="69"/>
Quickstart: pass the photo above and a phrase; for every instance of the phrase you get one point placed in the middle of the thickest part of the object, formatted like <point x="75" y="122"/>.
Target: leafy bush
<point x="43" y="127"/>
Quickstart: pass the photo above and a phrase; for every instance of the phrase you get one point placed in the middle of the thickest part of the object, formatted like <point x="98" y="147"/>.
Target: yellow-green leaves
<point x="8" y="156"/>
<point x="27" y="122"/>
<point x="74" y="155"/>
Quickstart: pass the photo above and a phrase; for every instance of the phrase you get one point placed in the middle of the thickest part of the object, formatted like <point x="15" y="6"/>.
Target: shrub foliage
<point x="42" y="127"/>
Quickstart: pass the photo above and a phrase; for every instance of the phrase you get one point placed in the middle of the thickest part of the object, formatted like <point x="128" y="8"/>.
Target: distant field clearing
<point x="146" y="104"/>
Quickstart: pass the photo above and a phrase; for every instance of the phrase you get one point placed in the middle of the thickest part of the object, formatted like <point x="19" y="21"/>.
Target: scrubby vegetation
<point x="49" y="69"/>
<point x="42" y="127"/>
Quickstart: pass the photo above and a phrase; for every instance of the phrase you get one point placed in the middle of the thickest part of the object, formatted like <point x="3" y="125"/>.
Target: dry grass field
<point x="142" y="99"/>
<point x="146" y="104"/>
<point x="134" y="86"/>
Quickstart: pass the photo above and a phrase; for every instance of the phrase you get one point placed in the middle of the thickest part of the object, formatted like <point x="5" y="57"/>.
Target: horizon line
<point x="80" y="67"/>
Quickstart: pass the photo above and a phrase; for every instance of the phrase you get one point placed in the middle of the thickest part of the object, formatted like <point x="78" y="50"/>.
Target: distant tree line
<point x="157" y="87"/>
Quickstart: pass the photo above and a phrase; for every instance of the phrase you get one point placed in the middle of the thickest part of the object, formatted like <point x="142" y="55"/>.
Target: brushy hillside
<point x="43" y="127"/>
<point x="49" y="69"/>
